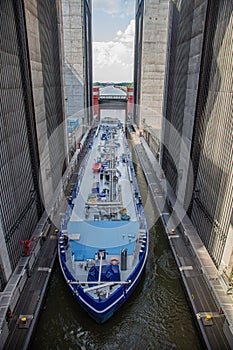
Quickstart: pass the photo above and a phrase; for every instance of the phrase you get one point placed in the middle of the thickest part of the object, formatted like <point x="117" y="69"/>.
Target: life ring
<point x="114" y="261"/>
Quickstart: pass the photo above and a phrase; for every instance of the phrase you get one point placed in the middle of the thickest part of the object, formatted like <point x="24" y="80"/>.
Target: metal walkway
<point x="31" y="299"/>
<point x="212" y="307"/>
<point x="33" y="293"/>
<point x="25" y="315"/>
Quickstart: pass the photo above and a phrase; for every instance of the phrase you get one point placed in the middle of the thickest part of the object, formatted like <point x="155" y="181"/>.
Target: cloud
<point x="128" y="34"/>
<point x="113" y="60"/>
<point x="119" y="33"/>
<point x="115" y="7"/>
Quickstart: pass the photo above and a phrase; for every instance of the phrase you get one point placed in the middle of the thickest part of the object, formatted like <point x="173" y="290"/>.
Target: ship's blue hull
<point x="102" y="310"/>
<point x="103" y="250"/>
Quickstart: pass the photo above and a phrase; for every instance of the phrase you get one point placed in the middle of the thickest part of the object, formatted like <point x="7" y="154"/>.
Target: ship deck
<point x="105" y="217"/>
<point x="104" y="214"/>
<point x="90" y="209"/>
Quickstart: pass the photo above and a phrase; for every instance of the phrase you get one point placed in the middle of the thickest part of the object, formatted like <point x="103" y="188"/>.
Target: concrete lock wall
<point x="154" y="48"/>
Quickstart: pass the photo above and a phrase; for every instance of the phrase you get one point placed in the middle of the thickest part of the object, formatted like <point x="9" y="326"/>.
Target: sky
<point x="113" y="40"/>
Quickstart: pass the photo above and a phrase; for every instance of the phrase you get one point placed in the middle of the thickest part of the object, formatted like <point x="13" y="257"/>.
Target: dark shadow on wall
<point x="210" y="178"/>
<point x="50" y="48"/>
<point x="181" y="35"/>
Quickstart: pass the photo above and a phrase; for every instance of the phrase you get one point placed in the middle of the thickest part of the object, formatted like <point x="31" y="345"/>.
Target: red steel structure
<point x="96" y="91"/>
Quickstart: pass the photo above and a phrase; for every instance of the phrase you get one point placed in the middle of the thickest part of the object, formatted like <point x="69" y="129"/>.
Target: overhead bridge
<point x="113" y="97"/>
<point x="113" y="102"/>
